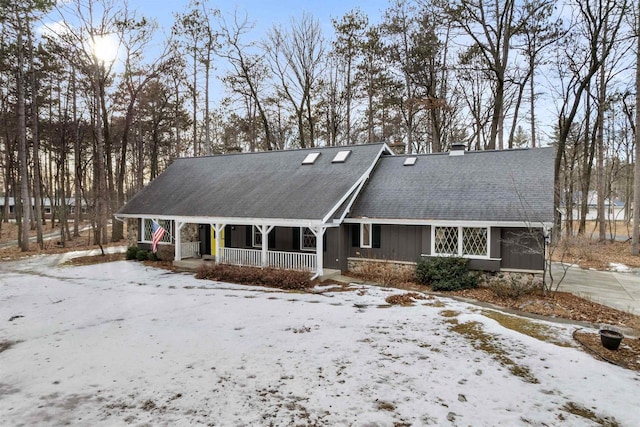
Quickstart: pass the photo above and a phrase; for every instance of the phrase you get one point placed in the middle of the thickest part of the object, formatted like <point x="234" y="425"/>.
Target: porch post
<point x="264" y="231"/>
<point x="178" y="251"/>
<point x="217" y="228"/>
<point x="319" y="232"/>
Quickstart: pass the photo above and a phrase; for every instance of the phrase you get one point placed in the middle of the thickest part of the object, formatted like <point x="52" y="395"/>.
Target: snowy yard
<point x="121" y="343"/>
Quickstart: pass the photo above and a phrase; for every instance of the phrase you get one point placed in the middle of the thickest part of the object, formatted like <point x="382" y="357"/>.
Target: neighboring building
<point x="47" y="207"/>
<point x="614" y="210"/>
<point x="325" y="208"/>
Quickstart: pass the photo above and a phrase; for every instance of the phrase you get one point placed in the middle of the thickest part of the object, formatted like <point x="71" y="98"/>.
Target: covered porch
<point x="309" y="259"/>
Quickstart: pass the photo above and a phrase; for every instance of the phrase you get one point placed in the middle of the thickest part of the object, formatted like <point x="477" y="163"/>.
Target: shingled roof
<point x="269" y="185"/>
<point x="490" y="186"/>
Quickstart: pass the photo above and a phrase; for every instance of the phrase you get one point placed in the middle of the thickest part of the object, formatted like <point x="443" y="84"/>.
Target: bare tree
<point x="296" y="59"/>
<point x="249" y="72"/>
<point x="583" y="64"/>
<point x="136" y="37"/>
<point x="636" y="168"/>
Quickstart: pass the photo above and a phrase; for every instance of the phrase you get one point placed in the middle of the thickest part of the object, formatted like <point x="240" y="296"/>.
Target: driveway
<point x="619" y="290"/>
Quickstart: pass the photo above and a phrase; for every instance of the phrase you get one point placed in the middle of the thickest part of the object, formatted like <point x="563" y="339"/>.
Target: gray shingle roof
<point x="271" y="184"/>
<point x="508" y="185"/>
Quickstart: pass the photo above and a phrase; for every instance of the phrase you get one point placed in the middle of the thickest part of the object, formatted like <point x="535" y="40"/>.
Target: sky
<point x="263" y="14"/>
<point x="266" y="13"/>
<point x="127" y="344"/>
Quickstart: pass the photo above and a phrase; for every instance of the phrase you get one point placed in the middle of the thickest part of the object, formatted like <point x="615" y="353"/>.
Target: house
<point x="614" y="209"/>
<point x="48" y="206"/>
<point x="328" y="208"/>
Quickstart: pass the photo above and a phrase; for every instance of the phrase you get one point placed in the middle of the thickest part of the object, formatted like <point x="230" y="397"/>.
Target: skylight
<point x="341" y="156"/>
<point x="410" y="161"/>
<point x="311" y="158"/>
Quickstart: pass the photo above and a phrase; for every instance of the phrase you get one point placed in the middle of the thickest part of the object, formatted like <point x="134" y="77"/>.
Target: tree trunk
<point x="602" y="93"/>
<point x="636" y="166"/>
<point x="532" y="102"/>
<point x="37" y="196"/>
<point x="22" y="142"/>
<point x="77" y="162"/>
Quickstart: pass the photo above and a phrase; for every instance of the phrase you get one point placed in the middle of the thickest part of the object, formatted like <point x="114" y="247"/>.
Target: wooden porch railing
<point x="301" y="261"/>
<point x="190" y="249"/>
<point x="235" y="256"/>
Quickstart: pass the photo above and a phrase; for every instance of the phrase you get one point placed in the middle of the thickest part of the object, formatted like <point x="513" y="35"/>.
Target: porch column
<point x="217" y="228"/>
<point x="264" y="231"/>
<point x="178" y="251"/>
<point x="319" y="233"/>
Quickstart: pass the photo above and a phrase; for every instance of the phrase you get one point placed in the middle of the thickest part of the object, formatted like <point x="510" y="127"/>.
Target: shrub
<point x="270" y="277"/>
<point x="385" y="272"/>
<point x="142" y="255"/>
<point x="513" y="285"/>
<point x="445" y="274"/>
<point x="152" y="256"/>
<point x="132" y="252"/>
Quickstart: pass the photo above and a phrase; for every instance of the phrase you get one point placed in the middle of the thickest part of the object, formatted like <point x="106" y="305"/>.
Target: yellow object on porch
<point x="213" y="241"/>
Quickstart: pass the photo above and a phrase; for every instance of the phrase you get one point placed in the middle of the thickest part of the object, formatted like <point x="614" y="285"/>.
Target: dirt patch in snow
<point x="627" y="355"/>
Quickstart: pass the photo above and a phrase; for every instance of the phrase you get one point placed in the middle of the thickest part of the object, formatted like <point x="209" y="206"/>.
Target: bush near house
<point x="445" y="273"/>
<point x="134" y="252"/>
<point x="270" y="277"/>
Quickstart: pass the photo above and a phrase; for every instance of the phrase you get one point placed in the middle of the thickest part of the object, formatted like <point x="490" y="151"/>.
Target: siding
<point x="522" y="249"/>
<point x="397" y="243"/>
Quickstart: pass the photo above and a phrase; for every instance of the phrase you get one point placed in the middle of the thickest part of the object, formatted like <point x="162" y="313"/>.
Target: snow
<point x="122" y="343"/>
<point x="620" y="268"/>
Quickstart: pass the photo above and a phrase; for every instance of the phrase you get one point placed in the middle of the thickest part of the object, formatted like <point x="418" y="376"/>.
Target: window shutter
<point x="296" y="238"/>
<point x="376" y="235"/>
<point x="248" y="236"/>
<point x="272" y="239"/>
<point x="324" y="241"/>
<point x="355" y="235"/>
<point x="227" y="234"/>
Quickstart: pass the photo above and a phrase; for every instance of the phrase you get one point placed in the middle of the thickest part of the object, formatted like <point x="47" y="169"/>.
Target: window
<point x="341" y="156"/>
<point x="410" y="161"/>
<point x="307" y="239"/>
<point x="257" y="237"/>
<point x="365" y="235"/>
<point x="461" y="241"/>
<point x="147" y="230"/>
<point x="446" y="240"/>
<point x="474" y="241"/>
<point x="311" y="158"/>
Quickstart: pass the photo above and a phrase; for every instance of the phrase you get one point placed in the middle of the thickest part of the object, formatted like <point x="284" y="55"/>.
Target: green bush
<point x="152" y="256"/>
<point x="271" y="277"/>
<point x="142" y="255"/>
<point x="445" y="274"/>
<point x="132" y="252"/>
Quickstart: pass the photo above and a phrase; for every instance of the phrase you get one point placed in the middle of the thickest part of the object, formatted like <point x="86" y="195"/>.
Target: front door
<point x="205" y="237"/>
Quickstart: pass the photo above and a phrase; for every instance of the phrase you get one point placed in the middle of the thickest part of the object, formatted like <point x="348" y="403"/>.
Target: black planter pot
<point x="610" y="339"/>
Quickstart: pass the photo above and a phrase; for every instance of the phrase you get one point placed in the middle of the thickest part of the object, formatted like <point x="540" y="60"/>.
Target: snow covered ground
<point x="121" y="343"/>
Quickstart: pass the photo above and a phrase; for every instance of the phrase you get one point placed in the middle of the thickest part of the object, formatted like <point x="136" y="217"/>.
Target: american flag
<point x="158" y="234"/>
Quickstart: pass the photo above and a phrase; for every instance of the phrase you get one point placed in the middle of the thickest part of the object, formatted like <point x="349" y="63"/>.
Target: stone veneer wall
<point x="131" y="233"/>
<point x="189" y="233"/>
